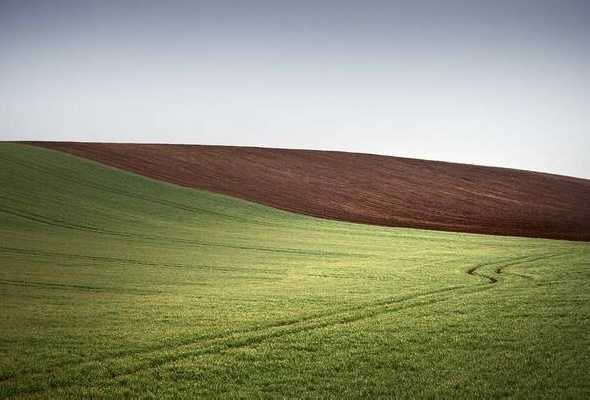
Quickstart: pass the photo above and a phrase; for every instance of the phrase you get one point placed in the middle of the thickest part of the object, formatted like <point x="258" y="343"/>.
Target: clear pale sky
<point x="502" y="83"/>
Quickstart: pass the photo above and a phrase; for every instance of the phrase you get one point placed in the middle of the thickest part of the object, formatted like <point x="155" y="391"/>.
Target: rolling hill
<point x="366" y="188"/>
<point x="114" y="285"/>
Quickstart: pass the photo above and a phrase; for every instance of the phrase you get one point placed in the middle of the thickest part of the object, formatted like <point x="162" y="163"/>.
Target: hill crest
<point x="365" y="188"/>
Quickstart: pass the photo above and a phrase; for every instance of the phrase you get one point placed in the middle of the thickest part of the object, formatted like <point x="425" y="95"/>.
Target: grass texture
<point x="117" y="286"/>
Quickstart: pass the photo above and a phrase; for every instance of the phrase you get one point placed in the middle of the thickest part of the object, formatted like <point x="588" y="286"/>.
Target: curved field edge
<point x="115" y="285"/>
<point x="365" y="188"/>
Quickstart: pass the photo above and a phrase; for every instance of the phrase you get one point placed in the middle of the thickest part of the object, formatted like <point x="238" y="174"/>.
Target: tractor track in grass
<point x="153" y="358"/>
<point x="476" y="270"/>
<point x="145" y="360"/>
<point x="206" y="338"/>
<point x="109" y="260"/>
<point x="85" y="288"/>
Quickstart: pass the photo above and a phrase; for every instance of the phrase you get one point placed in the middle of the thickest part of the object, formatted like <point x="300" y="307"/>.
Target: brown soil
<point x="366" y="188"/>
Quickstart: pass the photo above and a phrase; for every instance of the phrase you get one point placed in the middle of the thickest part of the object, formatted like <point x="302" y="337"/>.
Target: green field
<point x="113" y="285"/>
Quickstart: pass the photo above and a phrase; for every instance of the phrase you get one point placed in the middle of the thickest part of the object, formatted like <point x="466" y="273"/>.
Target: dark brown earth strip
<point x="366" y="188"/>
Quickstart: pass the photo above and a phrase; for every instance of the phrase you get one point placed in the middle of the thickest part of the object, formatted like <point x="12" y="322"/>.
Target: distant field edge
<point x="364" y="188"/>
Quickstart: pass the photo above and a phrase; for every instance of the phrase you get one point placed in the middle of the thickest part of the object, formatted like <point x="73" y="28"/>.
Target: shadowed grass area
<point x="113" y="285"/>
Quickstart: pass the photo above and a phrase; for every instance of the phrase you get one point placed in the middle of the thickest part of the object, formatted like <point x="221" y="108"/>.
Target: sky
<point x="502" y="83"/>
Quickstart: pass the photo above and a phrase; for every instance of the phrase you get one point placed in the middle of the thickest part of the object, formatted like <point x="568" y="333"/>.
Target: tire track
<point x="476" y="270"/>
<point x="86" y="288"/>
<point x="193" y="340"/>
<point x="502" y="269"/>
<point x="146" y="360"/>
<point x="154" y="358"/>
<point x="320" y="324"/>
<point x="101" y="259"/>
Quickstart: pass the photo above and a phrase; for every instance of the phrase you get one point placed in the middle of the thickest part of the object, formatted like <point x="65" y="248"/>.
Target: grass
<point x="113" y="285"/>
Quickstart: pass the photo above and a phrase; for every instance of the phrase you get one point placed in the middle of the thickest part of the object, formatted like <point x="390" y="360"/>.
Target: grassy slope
<point x="112" y="284"/>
